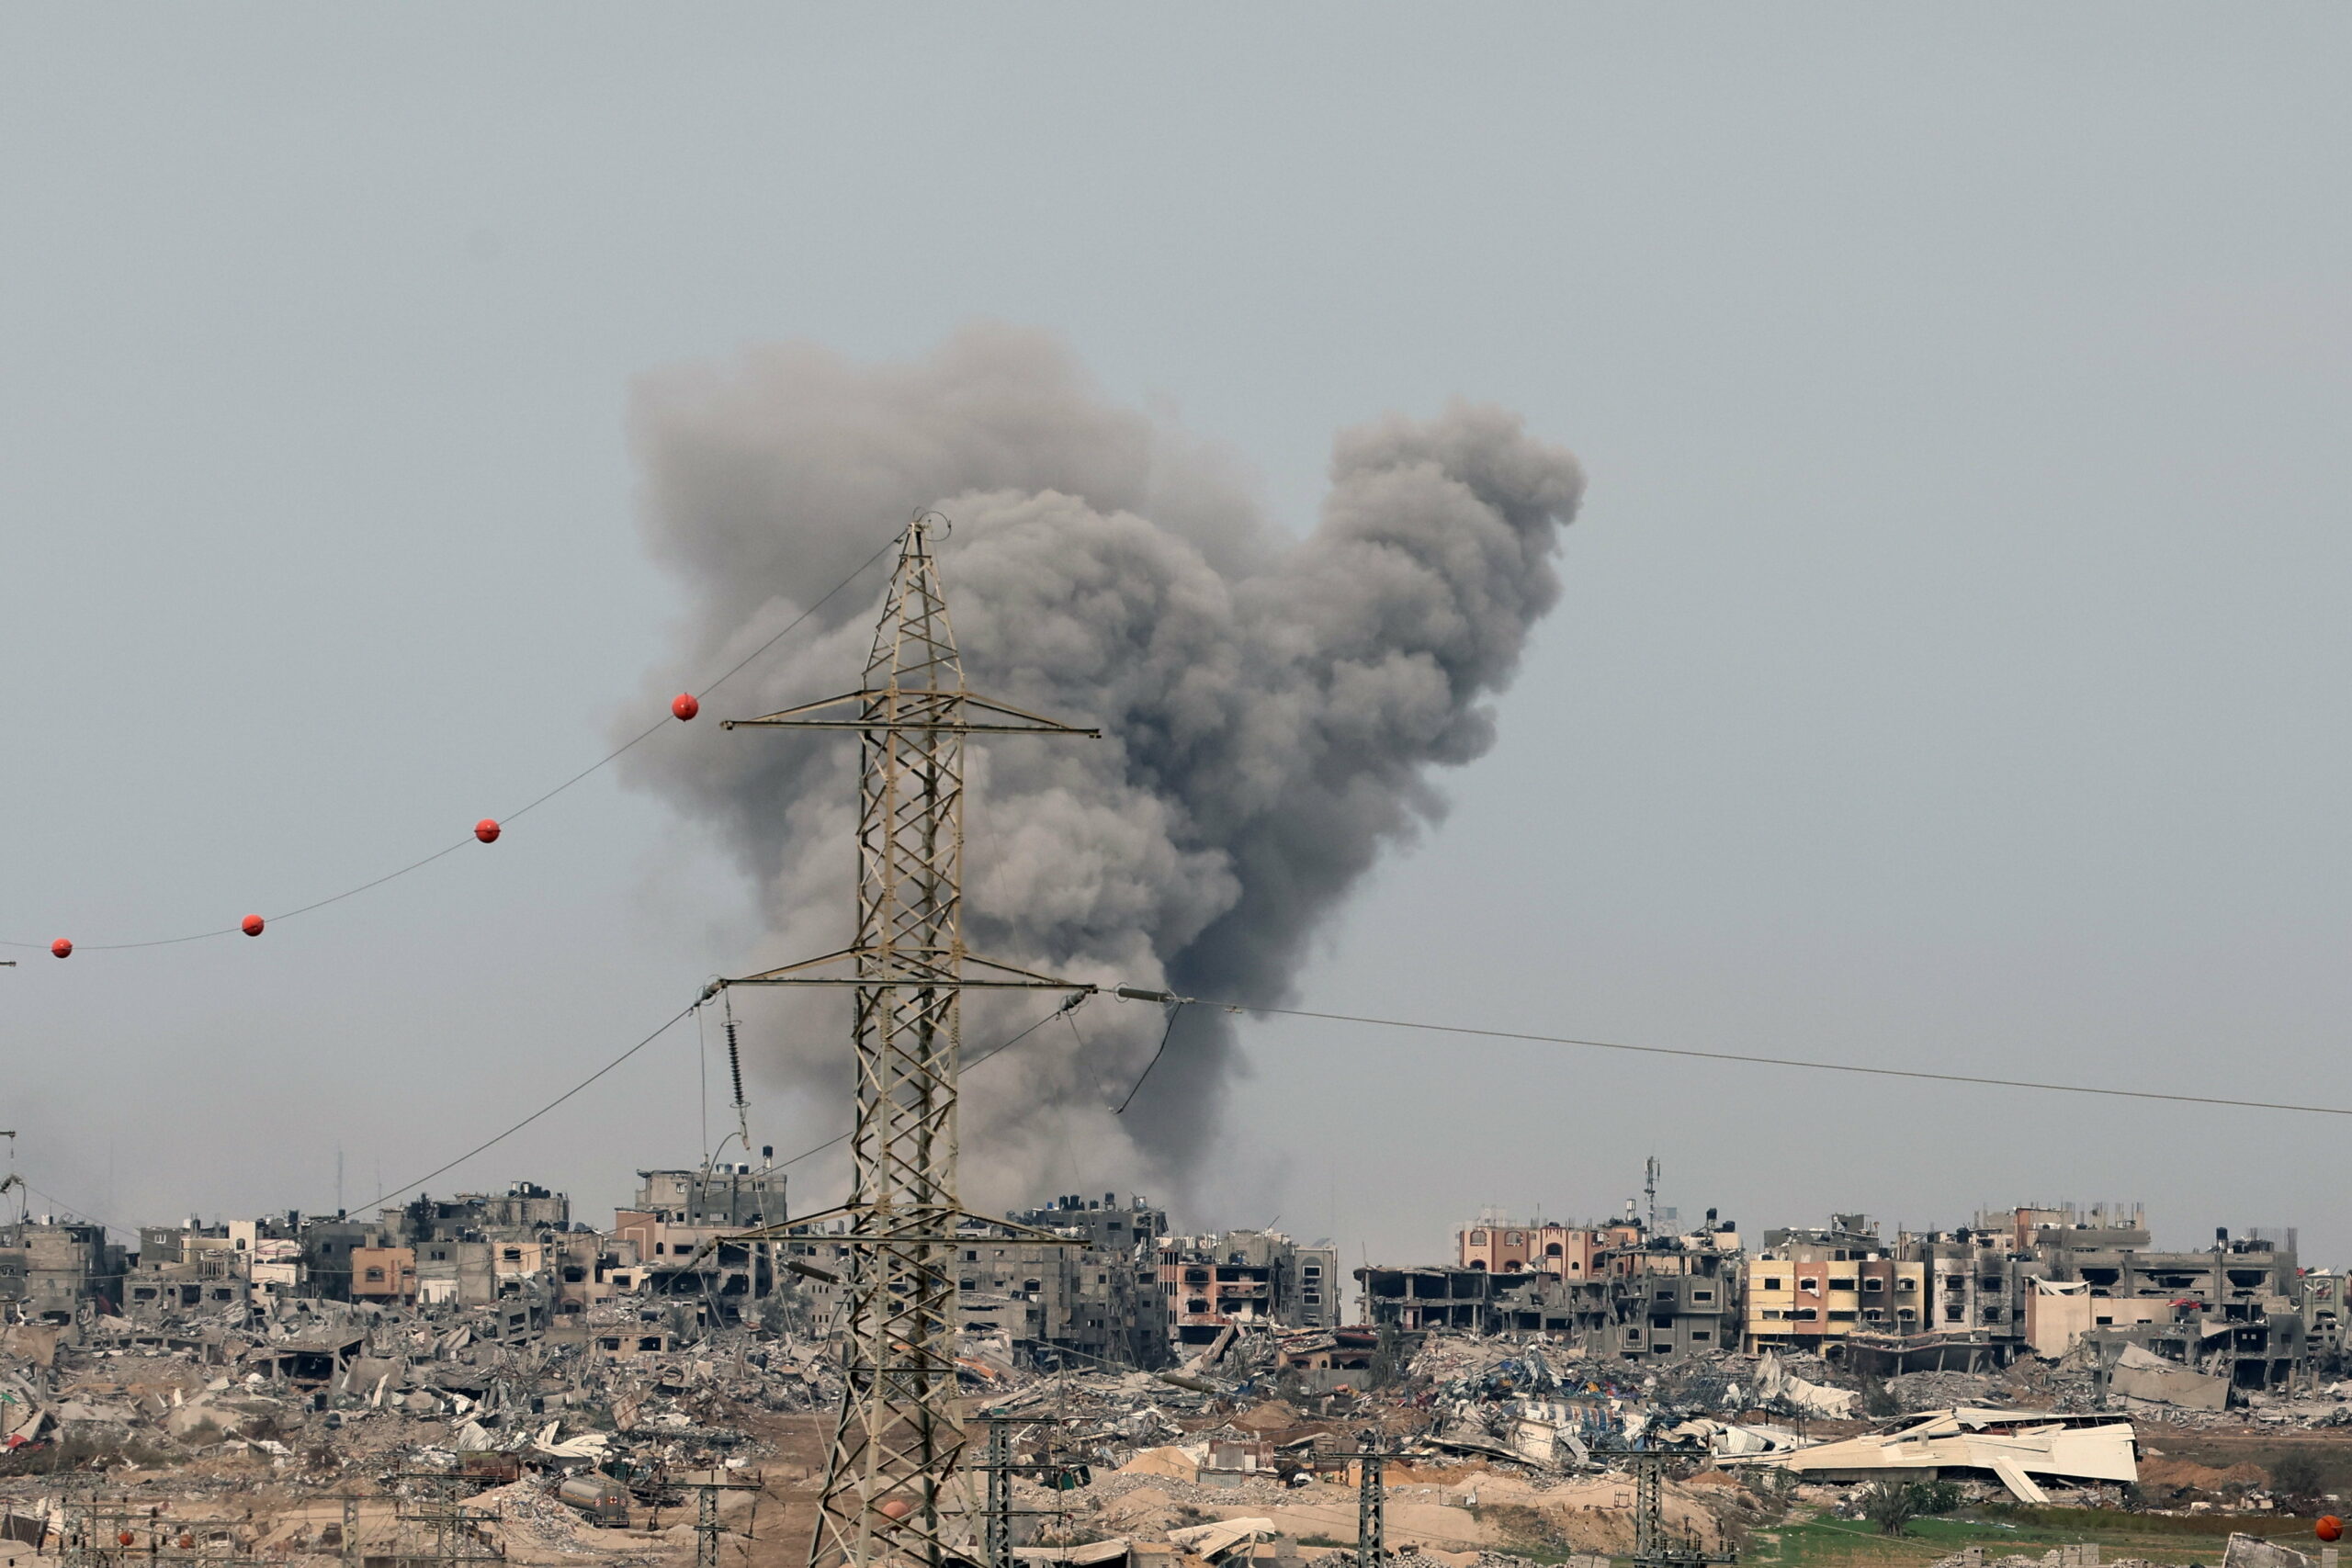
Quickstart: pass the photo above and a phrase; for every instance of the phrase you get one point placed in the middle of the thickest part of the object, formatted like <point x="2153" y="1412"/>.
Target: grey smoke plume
<point x="1273" y="709"/>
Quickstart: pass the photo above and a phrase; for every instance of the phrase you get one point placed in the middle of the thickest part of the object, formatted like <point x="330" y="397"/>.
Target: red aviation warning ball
<point x="62" y="948"/>
<point x="685" y="705"/>
<point x="487" y="829"/>
<point x="2329" y="1527"/>
<point x="251" y="925"/>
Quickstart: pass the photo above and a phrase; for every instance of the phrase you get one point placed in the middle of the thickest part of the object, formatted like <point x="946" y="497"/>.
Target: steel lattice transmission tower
<point x="892" y="1466"/>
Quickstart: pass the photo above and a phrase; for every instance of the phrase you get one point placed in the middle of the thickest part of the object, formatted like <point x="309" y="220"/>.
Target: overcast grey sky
<point x="1949" y="674"/>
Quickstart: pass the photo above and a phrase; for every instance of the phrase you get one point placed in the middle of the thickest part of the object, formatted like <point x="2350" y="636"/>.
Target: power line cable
<point x="732" y="671"/>
<point x="607" y="760"/>
<point x="1920" y="1073"/>
<point x="68" y="1209"/>
<point x="737" y="667"/>
<point x="667" y="1025"/>
<point x="967" y="1066"/>
<point x="1166" y="1035"/>
<point x="1175" y="1004"/>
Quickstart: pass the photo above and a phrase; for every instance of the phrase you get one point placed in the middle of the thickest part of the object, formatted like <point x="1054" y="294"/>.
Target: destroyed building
<point x="2323" y="1308"/>
<point x="2034" y="1278"/>
<point x="47" y="1268"/>
<point x="1101" y="1301"/>
<point x="1243" y="1280"/>
<point x="1092" y="1305"/>
<point x="181" y="1267"/>
<point x="736" y="1196"/>
<point x="327" y="1247"/>
<point x="1415" y="1298"/>
<point x="681" y="1235"/>
<point x="1672" y="1296"/>
<point x="2020" y="1448"/>
<point x="588" y="1268"/>
<point x="1046" y="1302"/>
<point x="525" y="1209"/>
<point x="2235" y="1311"/>
<point x="1612" y="1290"/>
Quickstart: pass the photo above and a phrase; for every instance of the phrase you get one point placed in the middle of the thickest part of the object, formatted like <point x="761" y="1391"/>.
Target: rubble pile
<point x="272" y="1405"/>
<point x="1501" y="1447"/>
<point x="1940" y="1391"/>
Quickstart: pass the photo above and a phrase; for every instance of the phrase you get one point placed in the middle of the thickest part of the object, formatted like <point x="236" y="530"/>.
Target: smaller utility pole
<point x="436" y="1515"/>
<point x="708" y="1528"/>
<point x="1651" y="1548"/>
<point x="1372" y="1498"/>
<point x="996" y="1547"/>
<point x="1648" y="1506"/>
<point x="1000" y="1468"/>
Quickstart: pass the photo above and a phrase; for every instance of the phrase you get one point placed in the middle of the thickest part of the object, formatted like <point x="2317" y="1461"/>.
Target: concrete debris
<point x="1202" y="1401"/>
<point x="1213" y="1542"/>
<point x="2253" y="1552"/>
<point x="2016" y="1447"/>
<point x="2139" y="1374"/>
<point x="1776" y="1385"/>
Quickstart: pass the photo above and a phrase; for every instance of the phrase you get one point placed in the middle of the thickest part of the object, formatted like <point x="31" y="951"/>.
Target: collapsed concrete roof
<point x="2013" y="1446"/>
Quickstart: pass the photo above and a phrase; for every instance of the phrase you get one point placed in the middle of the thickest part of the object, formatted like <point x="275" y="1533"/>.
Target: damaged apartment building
<point x="1130" y="1294"/>
<point x="1814" y="1291"/>
<point x="1051" y="1302"/>
<point x="1044" y="1301"/>
<point x="47" y="1268"/>
<point x="2033" y="1278"/>
<point x="1096" y="1304"/>
<point x="471" y="1250"/>
<point x="1618" y="1288"/>
<point x="677" y="1241"/>
<point x="2235" y="1311"/>
<point x="1244" y="1280"/>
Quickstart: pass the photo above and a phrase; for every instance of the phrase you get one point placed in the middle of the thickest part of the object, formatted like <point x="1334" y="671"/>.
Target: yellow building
<point x="1804" y="1296"/>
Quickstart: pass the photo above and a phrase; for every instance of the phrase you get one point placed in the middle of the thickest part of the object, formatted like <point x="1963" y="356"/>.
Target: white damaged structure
<point x="2013" y="1447"/>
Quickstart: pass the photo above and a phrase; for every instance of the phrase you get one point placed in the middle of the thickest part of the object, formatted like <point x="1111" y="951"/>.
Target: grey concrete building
<point x="1102" y="1299"/>
<point x="736" y="1196"/>
<point x="49" y="1269"/>
<point x="1647" y="1299"/>
<point x="524" y="1209"/>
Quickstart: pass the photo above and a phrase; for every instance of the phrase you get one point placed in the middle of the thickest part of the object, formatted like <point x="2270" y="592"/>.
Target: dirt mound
<point x="2187" y="1475"/>
<point x="1271" y="1417"/>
